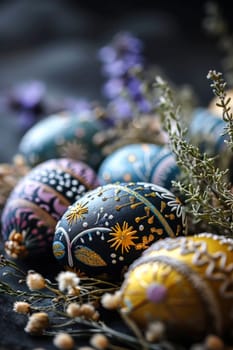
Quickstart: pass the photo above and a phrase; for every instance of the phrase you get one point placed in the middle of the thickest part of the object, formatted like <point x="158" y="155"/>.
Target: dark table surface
<point x="57" y="42"/>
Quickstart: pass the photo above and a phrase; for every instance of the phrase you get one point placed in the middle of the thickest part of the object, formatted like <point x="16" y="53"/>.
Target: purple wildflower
<point x="113" y="88"/>
<point x="107" y="54"/>
<point x="121" y="109"/>
<point x="126" y="42"/>
<point x="114" y="69"/>
<point x="122" y="54"/>
<point x="76" y="105"/>
<point x="26" y="120"/>
<point x="135" y="87"/>
<point x="28" y="95"/>
<point x="144" y="106"/>
<point x="121" y="60"/>
<point x="27" y="99"/>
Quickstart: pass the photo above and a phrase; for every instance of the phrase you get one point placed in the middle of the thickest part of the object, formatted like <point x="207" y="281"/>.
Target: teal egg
<point x="139" y="162"/>
<point x="207" y="131"/>
<point x="48" y="138"/>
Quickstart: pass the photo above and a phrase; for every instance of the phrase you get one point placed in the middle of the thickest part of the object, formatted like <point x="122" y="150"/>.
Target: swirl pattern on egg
<point x="38" y="202"/>
<point x="184" y="282"/>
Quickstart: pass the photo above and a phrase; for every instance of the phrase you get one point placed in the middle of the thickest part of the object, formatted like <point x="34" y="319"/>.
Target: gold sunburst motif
<point x="74" y="150"/>
<point x="77" y="212"/>
<point x="123" y="237"/>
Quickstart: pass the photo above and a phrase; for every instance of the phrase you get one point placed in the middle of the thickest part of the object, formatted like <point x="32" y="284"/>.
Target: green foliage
<point x="204" y="187"/>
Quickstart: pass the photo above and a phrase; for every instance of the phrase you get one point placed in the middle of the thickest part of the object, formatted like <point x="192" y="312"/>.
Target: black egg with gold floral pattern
<point x="103" y="232"/>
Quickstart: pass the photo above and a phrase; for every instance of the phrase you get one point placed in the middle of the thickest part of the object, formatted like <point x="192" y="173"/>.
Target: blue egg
<point x="139" y="162"/>
<point x="207" y="130"/>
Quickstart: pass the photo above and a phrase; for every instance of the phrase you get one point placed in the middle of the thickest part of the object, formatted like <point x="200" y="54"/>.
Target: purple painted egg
<point x="103" y="232"/>
<point x="38" y="201"/>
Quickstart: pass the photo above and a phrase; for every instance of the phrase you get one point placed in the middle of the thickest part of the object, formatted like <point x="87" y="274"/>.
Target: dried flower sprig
<point x="64" y="341"/>
<point x="53" y="311"/>
<point x="10" y="174"/>
<point x="146" y="128"/>
<point x="116" y="339"/>
<point x="208" y="195"/>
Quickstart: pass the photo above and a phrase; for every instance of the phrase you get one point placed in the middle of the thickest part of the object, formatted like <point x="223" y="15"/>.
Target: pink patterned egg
<point x="37" y="203"/>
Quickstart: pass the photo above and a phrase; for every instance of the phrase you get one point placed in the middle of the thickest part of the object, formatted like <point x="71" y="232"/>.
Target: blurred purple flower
<point x="114" y="69"/>
<point x="126" y="42"/>
<point x="134" y="86"/>
<point x="76" y="105"/>
<point x="121" y="60"/>
<point x="28" y="95"/>
<point x="26" y="120"/>
<point x="27" y="99"/>
<point x="120" y="55"/>
<point x="107" y="54"/>
<point x="113" y="88"/>
<point x="131" y="60"/>
<point x="121" y="109"/>
<point x="144" y="105"/>
<point x="31" y="103"/>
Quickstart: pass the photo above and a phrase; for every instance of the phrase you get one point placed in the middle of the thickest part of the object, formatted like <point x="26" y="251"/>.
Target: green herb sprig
<point x="206" y="191"/>
<point x="218" y="86"/>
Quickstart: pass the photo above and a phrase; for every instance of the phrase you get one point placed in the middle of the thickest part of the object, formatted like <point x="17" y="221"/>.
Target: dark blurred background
<point x="57" y="41"/>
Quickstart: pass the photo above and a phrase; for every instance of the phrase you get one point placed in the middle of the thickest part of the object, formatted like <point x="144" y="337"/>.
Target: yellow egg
<point x="218" y="111"/>
<point x="185" y="282"/>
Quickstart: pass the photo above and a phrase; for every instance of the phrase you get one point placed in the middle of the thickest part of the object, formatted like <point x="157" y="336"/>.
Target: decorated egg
<point x="139" y="162"/>
<point x="66" y="134"/>
<point x="215" y="109"/>
<point x="108" y="228"/>
<point x="38" y="201"/>
<point x="185" y="282"/>
<point x="207" y="131"/>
